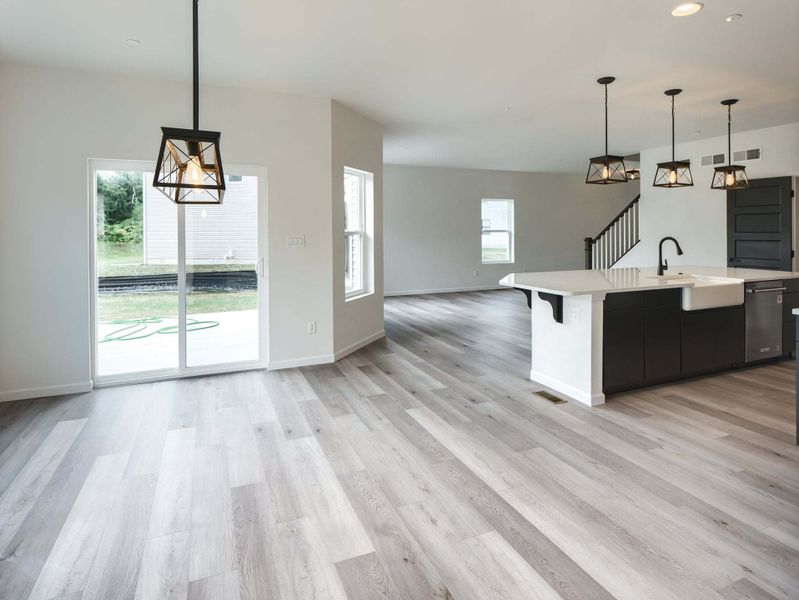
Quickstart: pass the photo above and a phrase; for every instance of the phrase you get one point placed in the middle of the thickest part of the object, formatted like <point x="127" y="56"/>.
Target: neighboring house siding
<point x="227" y="233"/>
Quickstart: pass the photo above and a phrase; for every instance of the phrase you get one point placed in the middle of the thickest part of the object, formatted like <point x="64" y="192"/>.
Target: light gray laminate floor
<point x="423" y="466"/>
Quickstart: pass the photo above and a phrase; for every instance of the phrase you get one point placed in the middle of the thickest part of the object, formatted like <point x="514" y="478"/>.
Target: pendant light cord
<point x="606" y="122"/>
<point x="196" y="60"/>
<point x="672" y="129"/>
<point x="729" y="135"/>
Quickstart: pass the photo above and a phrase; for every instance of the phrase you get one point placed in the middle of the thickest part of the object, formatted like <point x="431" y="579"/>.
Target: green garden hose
<point x="132" y="327"/>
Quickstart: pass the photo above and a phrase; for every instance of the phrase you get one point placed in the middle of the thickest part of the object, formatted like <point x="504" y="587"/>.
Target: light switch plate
<point x="295" y="241"/>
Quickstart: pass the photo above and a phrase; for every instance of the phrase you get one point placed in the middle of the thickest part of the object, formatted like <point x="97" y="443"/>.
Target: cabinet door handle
<point x="774" y="289"/>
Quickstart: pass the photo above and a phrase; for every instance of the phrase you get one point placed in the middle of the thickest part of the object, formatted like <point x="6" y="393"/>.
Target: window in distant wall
<point x="358" y="207"/>
<point x="496" y="224"/>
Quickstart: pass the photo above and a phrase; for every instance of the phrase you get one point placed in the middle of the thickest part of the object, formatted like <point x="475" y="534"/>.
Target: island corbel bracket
<point x="529" y="295"/>
<point x="557" y="305"/>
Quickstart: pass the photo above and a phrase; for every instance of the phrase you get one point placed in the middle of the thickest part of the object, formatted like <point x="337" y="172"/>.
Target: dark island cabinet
<point x="713" y="340"/>
<point x="641" y="339"/>
<point x="649" y="339"/>
<point x="623" y="354"/>
<point x="662" y="335"/>
<point x="698" y="345"/>
<point x="730" y="337"/>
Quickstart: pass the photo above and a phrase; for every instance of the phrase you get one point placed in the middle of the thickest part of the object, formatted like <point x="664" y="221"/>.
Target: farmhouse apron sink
<point x="702" y="291"/>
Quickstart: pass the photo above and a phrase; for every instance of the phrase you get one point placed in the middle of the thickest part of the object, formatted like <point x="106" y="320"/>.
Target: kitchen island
<point x="601" y="331"/>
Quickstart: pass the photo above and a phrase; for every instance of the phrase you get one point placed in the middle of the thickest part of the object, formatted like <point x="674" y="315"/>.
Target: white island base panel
<point x="567" y="357"/>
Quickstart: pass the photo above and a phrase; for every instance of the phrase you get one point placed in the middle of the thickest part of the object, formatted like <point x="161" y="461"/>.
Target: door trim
<point x="182" y="371"/>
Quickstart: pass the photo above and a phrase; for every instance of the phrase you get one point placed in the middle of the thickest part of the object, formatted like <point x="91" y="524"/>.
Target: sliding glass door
<point x="222" y="272"/>
<point x="177" y="288"/>
<point x="137" y="296"/>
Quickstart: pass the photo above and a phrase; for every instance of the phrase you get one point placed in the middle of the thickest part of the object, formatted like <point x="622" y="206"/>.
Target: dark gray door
<point x="759" y="230"/>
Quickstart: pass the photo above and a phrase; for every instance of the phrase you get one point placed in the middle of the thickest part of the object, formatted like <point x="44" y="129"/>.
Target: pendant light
<point x="607" y="168"/>
<point x="731" y="177"/>
<point x="675" y="173"/>
<point x="189" y="167"/>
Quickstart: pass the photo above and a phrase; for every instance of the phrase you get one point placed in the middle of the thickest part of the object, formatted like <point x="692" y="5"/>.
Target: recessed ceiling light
<point x="506" y="108"/>
<point x="133" y="42"/>
<point x="686" y="9"/>
<point x="733" y="17"/>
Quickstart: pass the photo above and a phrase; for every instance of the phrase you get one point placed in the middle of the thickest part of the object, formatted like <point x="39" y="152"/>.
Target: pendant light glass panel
<point x="674" y="173"/>
<point x="189" y="168"/>
<point x="731" y="177"/>
<point x="607" y="168"/>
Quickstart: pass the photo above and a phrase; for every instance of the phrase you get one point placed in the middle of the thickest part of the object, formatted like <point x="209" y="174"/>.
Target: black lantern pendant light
<point x="731" y="177"/>
<point x="189" y="168"/>
<point x="608" y="168"/>
<point x="675" y="173"/>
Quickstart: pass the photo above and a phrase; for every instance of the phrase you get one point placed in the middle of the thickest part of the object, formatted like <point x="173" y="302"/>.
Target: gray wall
<point x="432" y="224"/>
<point x="697" y="216"/>
<point x="357" y="142"/>
<point x="45" y="341"/>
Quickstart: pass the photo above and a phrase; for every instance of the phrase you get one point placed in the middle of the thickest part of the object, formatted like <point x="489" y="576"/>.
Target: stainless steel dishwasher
<point x="763" y="320"/>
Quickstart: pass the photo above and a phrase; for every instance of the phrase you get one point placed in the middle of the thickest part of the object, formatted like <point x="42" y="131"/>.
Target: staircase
<point x="615" y="240"/>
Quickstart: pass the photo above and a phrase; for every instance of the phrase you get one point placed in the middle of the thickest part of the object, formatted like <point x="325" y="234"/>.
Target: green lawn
<point x="495" y="254"/>
<point x="119" y="260"/>
<point x="112" y="307"/>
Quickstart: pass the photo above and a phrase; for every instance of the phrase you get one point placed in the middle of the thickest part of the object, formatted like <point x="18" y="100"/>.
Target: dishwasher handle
<point x="759" y="291"/>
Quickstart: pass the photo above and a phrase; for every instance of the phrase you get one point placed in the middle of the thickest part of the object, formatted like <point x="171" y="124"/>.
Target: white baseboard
<point x="360" y="344"/>
<point x="290" y="363"/>
<point x="572" y="392"/>
<point x="44" y="392"/>
<point x="471" y="288"/>
<point x="324" y="359"/>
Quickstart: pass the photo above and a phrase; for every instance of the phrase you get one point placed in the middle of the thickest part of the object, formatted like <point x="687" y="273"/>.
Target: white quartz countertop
<point x="632" y="279"/>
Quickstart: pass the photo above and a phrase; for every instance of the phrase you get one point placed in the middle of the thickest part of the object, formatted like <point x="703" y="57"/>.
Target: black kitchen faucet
<point x="662" y="266"/>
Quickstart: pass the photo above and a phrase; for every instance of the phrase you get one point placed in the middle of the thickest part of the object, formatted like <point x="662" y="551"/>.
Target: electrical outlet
<point x="574" y="314"/>
<point x="475" y="273"/>
<point x="311" y="327"/>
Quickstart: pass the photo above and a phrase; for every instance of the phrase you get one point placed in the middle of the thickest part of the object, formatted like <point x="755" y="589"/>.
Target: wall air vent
<point x="751" y="154"/>
<point x="713" y="159"/>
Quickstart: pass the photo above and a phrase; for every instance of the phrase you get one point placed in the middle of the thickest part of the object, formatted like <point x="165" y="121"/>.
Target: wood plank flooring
<point x="423" y="466"/>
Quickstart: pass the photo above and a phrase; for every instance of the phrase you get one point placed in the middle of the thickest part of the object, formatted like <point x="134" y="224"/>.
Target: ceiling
<point x="439" y="73"/>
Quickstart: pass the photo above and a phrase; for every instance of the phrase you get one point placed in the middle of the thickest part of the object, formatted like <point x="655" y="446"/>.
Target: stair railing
<point x="614" y="241"/>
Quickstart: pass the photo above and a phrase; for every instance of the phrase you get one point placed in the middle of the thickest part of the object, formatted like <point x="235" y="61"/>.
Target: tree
<point x="119" y="215"/>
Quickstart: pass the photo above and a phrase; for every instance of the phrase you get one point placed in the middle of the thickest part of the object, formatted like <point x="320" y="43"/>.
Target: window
<point x="496" y="225"/>
<point x="358" y="199"/>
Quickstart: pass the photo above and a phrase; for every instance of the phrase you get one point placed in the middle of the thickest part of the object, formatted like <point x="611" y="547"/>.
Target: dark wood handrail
<point x="619" y="216"/>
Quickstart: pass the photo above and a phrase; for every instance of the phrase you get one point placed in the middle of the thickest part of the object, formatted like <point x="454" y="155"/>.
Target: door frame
<point x="182" y="371"/>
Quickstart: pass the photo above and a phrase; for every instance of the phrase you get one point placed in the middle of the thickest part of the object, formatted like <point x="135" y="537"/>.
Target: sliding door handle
<point x="259" y="268"/>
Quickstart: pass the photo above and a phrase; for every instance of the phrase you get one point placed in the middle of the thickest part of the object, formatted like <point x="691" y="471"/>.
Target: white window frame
<point x="364" y="231"/>
<point x="509" y="231"/>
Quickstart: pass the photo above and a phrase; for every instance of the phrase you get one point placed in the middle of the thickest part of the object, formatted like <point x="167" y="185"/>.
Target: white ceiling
<point x="438" y="73"/>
